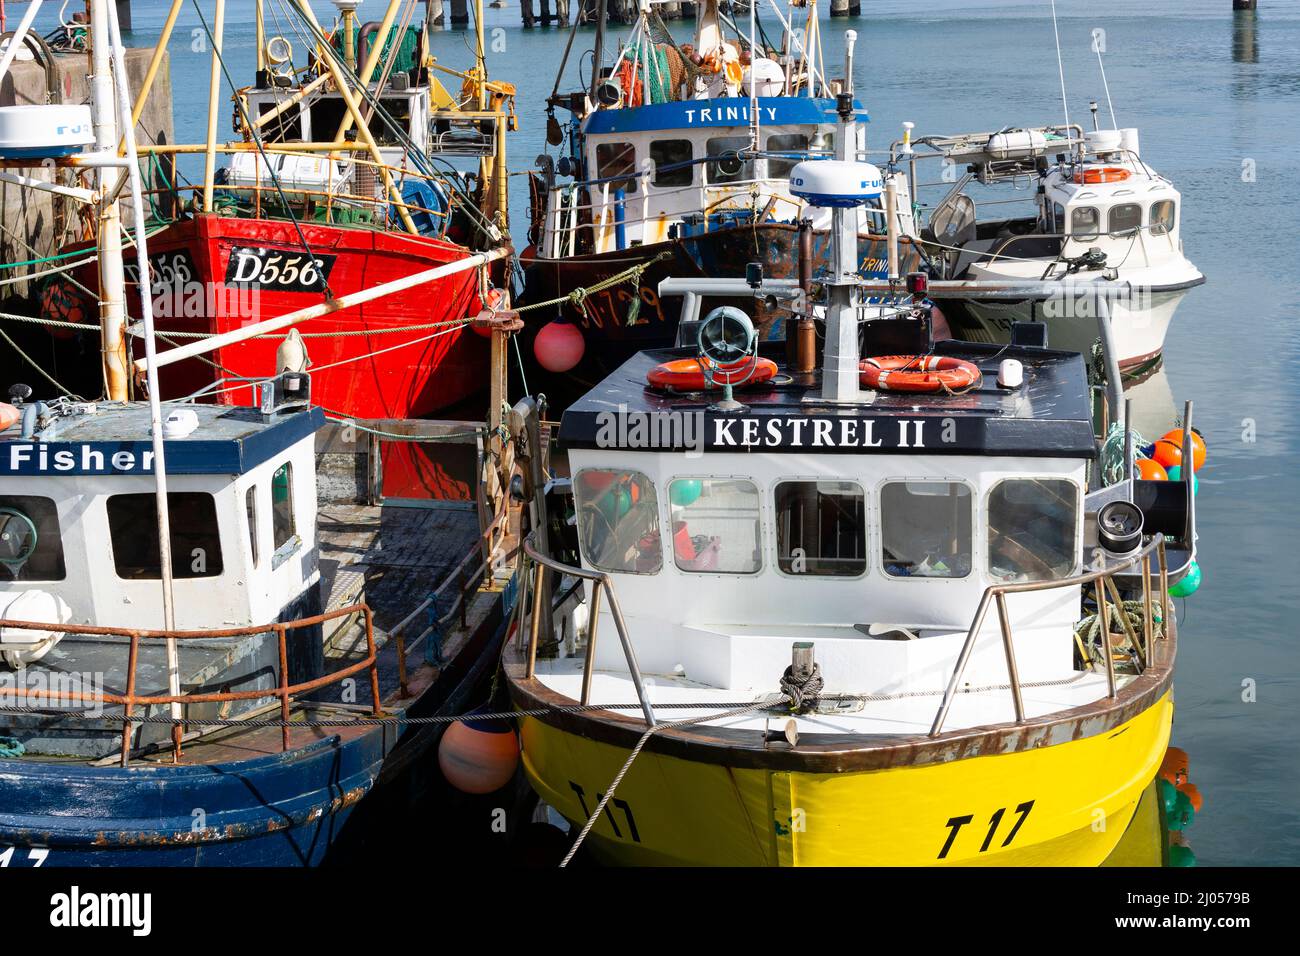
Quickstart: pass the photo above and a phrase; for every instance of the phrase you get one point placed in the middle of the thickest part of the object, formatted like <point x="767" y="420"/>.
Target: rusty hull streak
<point x="840" y="753"/>
<point x="234" y="831"/>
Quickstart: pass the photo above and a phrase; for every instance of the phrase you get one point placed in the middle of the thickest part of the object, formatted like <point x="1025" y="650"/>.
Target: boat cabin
<point x="652" y="172"/>
<point x="79" y="540"/>
<point x="870" y="529"/>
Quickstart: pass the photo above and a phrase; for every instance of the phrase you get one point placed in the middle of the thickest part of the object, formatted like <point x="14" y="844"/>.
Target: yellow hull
<point x="1062" y="805"/>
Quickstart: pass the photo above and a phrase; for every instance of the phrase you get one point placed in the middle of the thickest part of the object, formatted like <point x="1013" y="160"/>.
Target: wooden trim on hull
<point x="840" y="753"/>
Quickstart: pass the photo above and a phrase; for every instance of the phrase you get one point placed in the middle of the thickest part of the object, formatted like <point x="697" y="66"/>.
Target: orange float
<point x="1101" y="174"/>
<point x="8" y="416"/>
<point x="687" y="375"/>
<point x="1168" y="453"/>
<point x="1175" y="767"/>
<point x="1151" y="470"/>
<point x="918" y="373"/>
<point x="1199" y="451"/>
<point x="1193" y="795"/>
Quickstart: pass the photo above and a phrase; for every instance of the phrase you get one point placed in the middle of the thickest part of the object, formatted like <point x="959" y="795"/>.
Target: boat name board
<point x="697" y="431"/>
<point x="285" y="270"/>
<point x="77" y="458"/>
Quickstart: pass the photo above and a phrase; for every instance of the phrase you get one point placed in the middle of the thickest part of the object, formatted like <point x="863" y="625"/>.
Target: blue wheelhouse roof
<point x="727" y="111"/>
<point x="115" y="440"/>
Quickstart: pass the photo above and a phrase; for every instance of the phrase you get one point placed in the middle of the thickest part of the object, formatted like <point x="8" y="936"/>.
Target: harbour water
<point x="1216" y="96"/>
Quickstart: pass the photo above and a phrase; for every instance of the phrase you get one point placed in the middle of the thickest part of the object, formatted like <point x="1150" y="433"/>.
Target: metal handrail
<point x="603" y="581"/>
<point x="1104" y="580"/>
<point x="996" y="593"/>
<point x="284" y="690"/>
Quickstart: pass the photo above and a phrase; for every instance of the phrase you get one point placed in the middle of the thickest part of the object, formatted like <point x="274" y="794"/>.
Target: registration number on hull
<point x="258" y="267"/>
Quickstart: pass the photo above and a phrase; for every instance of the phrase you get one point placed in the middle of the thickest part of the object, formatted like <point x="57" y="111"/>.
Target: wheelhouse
<point x="872" y="530"/>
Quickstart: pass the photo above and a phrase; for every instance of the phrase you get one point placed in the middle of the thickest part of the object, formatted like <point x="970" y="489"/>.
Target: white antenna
<point x="1060" y="67"/>
<point x="1096" y="45"/>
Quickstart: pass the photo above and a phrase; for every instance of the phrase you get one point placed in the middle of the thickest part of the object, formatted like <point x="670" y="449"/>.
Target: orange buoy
<point x="1101" y="174"/>
<point x="1151" y="470"/>
<point x="8" y="416"/>
<point x="1168" y="453"/>
<point x="1199" y="451"/>
<point x="1175" y="767"/>
<point x="687" y="375"/>
<point x="918" y="373"/>
<point x="1193" y="795"/>
<point x="478" y="756"/>
<point x="494" y="300"/>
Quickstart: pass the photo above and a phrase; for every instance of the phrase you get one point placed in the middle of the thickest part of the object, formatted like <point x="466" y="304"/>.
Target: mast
<point x="599" y="49"/>
<point x="106" y="40"/>
<point x="112" y="277"/>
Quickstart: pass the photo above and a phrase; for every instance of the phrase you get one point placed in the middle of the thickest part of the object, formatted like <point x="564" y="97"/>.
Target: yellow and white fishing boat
<point x="848" y="627"/>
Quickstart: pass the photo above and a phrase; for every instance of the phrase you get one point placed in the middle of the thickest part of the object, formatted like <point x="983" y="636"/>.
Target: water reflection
<point x="1245" y="48"/>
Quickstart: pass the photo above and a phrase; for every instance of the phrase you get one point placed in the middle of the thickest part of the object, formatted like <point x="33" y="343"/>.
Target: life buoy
<point x="918" y="373"/>
<point x="687" y="375"/>
<point x="1101" y="174"/>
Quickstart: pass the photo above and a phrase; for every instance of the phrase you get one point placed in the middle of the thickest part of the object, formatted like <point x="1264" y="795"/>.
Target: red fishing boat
<point x="404" y="355"/>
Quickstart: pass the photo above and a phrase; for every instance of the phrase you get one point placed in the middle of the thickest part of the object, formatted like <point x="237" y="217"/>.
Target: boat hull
<point x="337" y="795"/>
<point x="1138" y="328"/>
<point x="366" y="361"/>
<point x="1081" y="796"/>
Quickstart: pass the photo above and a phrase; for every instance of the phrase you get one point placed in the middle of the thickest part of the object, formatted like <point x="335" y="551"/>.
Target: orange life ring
<point x="687" y="375"/>
<point x="918" y="373"/>
<point x="1101" y="174"/>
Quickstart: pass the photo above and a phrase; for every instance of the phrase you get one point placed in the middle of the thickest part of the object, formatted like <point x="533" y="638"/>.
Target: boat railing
<point x="1105" y="590"/>
<point x="267" y="183"/>
<point x="601" y="582"/>
<point x="1106" y="593"/>
<point x="138" y="637"/>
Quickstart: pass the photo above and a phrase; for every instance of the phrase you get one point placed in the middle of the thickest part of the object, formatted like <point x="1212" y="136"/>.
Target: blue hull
<point x="278" y="810"/>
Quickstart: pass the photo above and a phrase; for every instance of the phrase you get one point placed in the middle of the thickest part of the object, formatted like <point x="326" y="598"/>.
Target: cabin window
<point x="283" y="529"/>
<point x="250" y="506"/>
<point x="671" y="152"/>
<point x="31" y="543"/>
<point x="618" y="520"/>
<point x="779" y="167"/>
<point x="616" y="159"/>
<point x="726" y="165"/>
<point x="715" y="525"/>
<point x="821" y="528"/>
<point x="926" y="529"/>
<point x="195" y="538"/>
<point x="1085" y="222"/>
<point x="1125" y="218"/>
<point x="1032" y="527"/>
<point x="1058" y="218"/>
<point x="1162" y="217"/>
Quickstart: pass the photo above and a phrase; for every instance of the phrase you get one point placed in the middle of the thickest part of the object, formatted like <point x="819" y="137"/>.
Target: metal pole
<point x="214" y="91"/>
<point x="1114" y="382"/>
<point x="112" y="278"/>
<point x="1013" y="672"/>
<point x="155" y="408"/>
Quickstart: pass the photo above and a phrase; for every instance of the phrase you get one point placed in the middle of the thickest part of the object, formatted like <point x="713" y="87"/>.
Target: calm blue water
<point x="1210" y="94"/>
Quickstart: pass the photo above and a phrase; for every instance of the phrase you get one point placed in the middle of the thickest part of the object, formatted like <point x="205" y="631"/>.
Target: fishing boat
<point x="218" y="647"/>
<point x="355" y="169"/>
<point x="675" y="161"/>
<point x="1104" y="224"/>
<point x="908" y="610"/>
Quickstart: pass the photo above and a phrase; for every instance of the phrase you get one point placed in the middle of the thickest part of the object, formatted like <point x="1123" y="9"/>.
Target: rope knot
<point x="805" y="691"/>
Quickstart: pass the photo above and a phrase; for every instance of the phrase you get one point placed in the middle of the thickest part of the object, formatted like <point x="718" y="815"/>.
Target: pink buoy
<point x="559" y="346"/>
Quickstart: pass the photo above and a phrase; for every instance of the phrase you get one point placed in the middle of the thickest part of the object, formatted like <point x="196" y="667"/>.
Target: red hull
<point x="360" y="376"/>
